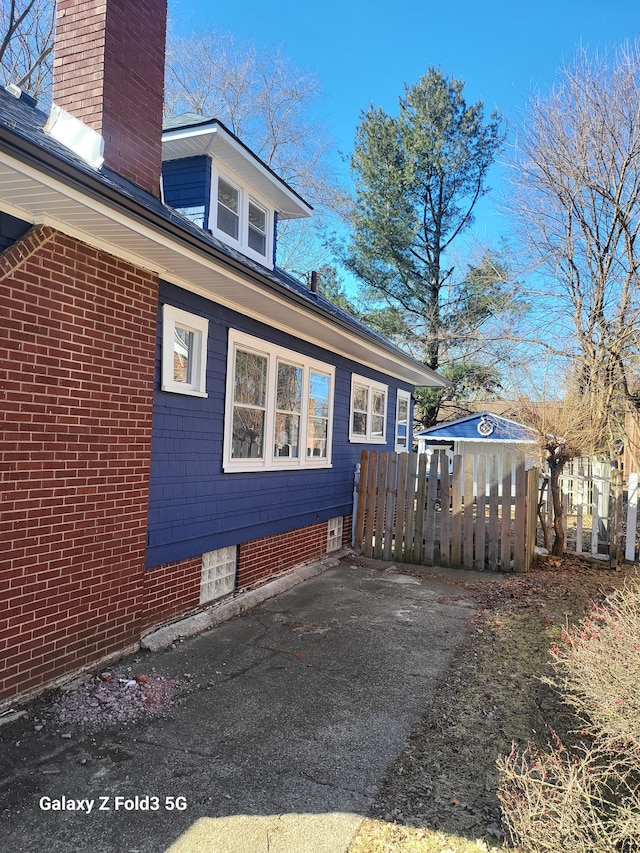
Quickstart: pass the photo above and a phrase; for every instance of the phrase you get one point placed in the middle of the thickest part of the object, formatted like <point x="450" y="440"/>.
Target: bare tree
<point x="26" y="44"/>
<point x="266" y="102"/>
<point x="577" y="173"/>
<point x="563" y="430"/>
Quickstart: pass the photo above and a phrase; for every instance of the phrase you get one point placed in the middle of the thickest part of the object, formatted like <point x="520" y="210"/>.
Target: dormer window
<point x="228" y="208"/>
<point x="257" y="228"/>
<point x="240" y="220"/>
<point x="212" y="178"/>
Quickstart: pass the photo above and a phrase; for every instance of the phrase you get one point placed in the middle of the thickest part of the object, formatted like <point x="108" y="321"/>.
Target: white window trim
<point x="372" y="385"/>
<point x="172" y="317"/>
<point x="404" y="395"/>
<point x="245" y="195"/>
<point x="273" y="353"/>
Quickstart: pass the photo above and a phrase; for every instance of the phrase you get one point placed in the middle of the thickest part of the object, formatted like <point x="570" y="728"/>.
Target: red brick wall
<point x="346" y="530"/>
<point x="109" y="73"/>
<point x="171" y="591"/>
<point x="77" y="350"/>
<point x="273" y="555"/>
<point x="174" y="590"/>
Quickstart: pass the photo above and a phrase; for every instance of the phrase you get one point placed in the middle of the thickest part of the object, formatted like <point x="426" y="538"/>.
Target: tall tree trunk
<point x="542" y="515"/>
<point x="555" y="468"/>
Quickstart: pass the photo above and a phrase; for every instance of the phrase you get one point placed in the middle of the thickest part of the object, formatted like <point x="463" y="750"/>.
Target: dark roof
<point x="185" y="120"/>
<point x="22" y="123"/>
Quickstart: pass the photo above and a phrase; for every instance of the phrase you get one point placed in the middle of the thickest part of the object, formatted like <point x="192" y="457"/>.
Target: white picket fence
<point x="632" y="518"/>
<point x="601" y="510"/>
<point x="586" y="492"/>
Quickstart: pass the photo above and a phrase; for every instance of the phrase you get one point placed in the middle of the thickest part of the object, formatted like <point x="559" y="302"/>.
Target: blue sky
<point x="363" y="52"/>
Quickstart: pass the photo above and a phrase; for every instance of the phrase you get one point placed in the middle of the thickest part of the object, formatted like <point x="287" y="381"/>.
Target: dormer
<point x="209" y="175"/>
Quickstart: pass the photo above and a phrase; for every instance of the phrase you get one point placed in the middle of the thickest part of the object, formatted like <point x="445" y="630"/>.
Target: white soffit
<point x="36" y="197"/>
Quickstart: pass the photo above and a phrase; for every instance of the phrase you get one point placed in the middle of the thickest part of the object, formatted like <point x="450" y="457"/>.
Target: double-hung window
<point x="184" y="352"/>
<point x="403" y="432"/>
<point x="257" y="225"/>
<point x="368" y="415"/>
<point x="228" y="219"/>
<point x="279" y="407"/>
<point x="240" y="219"/>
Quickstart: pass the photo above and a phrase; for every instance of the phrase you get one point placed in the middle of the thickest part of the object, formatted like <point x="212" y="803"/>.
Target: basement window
<point x="334" y="534"/>
<point x="218" y="573"/>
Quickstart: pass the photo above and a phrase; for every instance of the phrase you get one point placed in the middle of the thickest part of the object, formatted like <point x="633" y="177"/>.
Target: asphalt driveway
<point x="283" y="726"/>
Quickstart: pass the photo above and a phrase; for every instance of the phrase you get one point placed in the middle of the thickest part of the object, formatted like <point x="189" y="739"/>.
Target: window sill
<point x="187" y="392"/>
<point x="242" y="248"/>
<point x="243" y="467"/>
<point x="362" y="439"/>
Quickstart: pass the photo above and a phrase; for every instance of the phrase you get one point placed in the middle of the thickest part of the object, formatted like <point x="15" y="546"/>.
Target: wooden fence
<point x="410" y="508"/>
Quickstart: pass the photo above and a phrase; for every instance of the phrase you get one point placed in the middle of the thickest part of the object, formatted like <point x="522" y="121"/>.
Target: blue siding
<point x="195" y="506"/>
<point x="275" y="238"/>
<point x="11" y="229"/>
<point x="504" y="430"/>
<point x="187" y="187"/>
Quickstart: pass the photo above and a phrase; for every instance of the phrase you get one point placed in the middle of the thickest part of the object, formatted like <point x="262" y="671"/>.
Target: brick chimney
<point x="108" y="72"/>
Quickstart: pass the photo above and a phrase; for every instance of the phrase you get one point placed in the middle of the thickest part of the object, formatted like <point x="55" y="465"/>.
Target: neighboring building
<point x="180" y="419"/>
<point x="483" y="432"/>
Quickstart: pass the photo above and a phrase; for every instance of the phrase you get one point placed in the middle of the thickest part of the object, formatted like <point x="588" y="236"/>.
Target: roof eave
<point x="215" y="140"/>
<point x="161" y="240"/>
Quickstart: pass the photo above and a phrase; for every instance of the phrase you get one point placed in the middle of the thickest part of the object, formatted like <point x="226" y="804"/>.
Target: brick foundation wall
<point x="273" y="555"/>
<point x="173" y="590"/>
<point x="346" y="530"/>
<point x="77" y="347"/>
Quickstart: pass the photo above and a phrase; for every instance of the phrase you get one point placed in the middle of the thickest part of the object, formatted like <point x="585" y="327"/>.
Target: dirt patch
<point x="492" y="696"/>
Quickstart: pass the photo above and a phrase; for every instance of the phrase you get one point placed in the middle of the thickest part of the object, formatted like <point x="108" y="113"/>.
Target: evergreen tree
<point x="418" y="177"/>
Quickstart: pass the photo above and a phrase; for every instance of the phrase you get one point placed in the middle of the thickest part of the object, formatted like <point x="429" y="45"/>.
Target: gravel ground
<point x="444" y="783"/>
<point x="99" y="700"/>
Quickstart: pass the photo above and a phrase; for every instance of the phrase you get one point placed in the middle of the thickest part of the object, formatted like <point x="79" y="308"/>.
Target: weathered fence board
<point x="468" y="517"/>
<point x="371" y="513"/>
<point x="505" y="513"/>
<point x="532" y="482"/>
<point x="632" y="518"/>
<point x="493" y="529"/>
<point x="390" y="506"/>
<point x="481" y="509"/>
<point x="519" y="549"/>
<point x="430" y="514"/>
<point x="456" y="513"/>
<point x="409" y="508"/>
<point x="445" y="517"/>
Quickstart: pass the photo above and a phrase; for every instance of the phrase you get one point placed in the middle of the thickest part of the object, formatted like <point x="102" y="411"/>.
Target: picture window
<point x="280" y="414"/>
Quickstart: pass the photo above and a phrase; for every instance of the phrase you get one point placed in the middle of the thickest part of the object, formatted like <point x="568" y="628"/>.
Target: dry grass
<point x="441" y="793"/>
